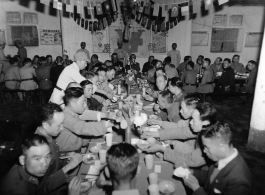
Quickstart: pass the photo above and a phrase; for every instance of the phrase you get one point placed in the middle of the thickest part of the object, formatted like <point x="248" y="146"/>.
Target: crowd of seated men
<point x="76" y="112"/>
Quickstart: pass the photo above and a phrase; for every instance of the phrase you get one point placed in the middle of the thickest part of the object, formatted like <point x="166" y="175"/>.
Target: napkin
<point x="154" y="128"/>
<point x="182" y="172"/>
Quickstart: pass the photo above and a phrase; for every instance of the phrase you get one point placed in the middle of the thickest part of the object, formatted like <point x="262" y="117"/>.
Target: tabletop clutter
<point x="130" y="116"/>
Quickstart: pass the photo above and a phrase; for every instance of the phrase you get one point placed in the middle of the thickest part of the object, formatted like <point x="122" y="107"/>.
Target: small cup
<point x="144" y="91"/>
<point x="149" y="161"/>
<point x="138" y="97"/>
<point x="153" y="178"/>
<point x="153" y="189"/>
<point x="102" y="156"/>
<point x="109" y="137"/>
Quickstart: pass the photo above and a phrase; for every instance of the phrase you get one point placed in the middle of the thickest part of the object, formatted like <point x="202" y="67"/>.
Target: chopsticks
<point x="65" y="157"/>
<point x="89" y="174"/>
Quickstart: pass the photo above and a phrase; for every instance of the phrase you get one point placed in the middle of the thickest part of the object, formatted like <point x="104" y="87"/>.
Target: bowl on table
<point x="89" y="159"/>
<point x="166" y="187"/>
<point x="95" y="149"/>
<point x="143" y="144"/>
<point x="152" y="116"/>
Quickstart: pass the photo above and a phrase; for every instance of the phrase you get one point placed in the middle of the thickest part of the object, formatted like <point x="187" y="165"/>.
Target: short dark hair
<point x="220" y="58"/>
<point x="192" y="100"/>
<point x="207" y="60"/>
<point x="85" y="82"/>
<point x="252" y="62"/>
<point x="90" y="74"/>
<point x="219" y="130"/>
<point x="201" y="56"/>
<point x="72" y="93"/>
<point x="42" y="58"/>
<point x="47" y="111"/>
<point x="36" y="56"/>
<point x="59" y="57"/>
<point x="174" y="44"/>
<point x="114" y="54"/>
<point x="167" y="60"/>
<point x="228" y="60"/>
<point x="151" y="57"/>
<point x="27" y="60"/>
<point x="154" y="62"/>
<point x="176" y="82"/>
<point x="162" y="69"/>
<point x="191" y="64"/>
<point x="33" y="140"/>
<point x="236" y="56"/>
<point x="167" y="95"/>
<point x="122" y="160"/>
<point x="207" y="112"/>
<point x="48" y="56"/>
<point x="110" y="68"/>
<point x="186" y="58"/>
<point x="13" y="60"/>
<point x="100" y="69"/>
<point x="95" y="56"/>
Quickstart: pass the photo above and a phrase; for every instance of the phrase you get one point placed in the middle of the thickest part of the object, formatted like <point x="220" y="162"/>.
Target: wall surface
<point x="253" y="20"/>
<point x="73" y="35"/>
<point x="48" y="18"/>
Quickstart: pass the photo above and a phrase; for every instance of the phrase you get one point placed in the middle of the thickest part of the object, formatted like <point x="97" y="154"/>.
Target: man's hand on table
<point x="74" y="162"/>
<point x="109" y="95"/>
<point x="192" y="182"/>
<point x="155" y="148"/>
<point x="106" y="103"/>
<point x="154" y="122"/>
<point x="148" y="134"/>
<point x="74" y="186"/>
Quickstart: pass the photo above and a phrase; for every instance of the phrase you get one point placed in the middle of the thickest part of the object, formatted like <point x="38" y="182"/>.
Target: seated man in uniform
<point x="189" y="78"/>
<point x="34" y="163"/>
<point x="55" y="180"/>
<point x="76" y="132"/>
<point x="253" y="68"/>
<point x="230" y="175"/>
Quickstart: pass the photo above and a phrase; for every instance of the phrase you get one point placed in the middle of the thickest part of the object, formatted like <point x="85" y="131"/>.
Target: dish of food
<point x="88" y="159"/>
<point x="85" y="186"/>
<point x="149" y="107"/>
<point x="142" y="144"/>
<point x="166" y="187"/>
<point x="95" y="149"/>
<point x="149" y="98"/>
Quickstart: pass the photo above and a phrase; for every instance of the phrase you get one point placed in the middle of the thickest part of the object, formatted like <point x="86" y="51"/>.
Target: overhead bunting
<point x="158" y="17"/>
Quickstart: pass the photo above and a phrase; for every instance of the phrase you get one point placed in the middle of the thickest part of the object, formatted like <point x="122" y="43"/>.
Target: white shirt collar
<point x="223" y="162"/>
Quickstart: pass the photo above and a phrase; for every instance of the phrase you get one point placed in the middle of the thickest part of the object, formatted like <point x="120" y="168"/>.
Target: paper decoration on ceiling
<point x="158" y="17"/>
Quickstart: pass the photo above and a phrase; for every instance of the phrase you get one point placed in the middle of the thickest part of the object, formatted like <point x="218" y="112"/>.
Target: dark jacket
<point x="234" y="179"/>
<point x="55" y="73"/>
<point x="147" y="66"/>
<point x="227" y="77"/>
<point x="93" y="104"/>
<point x="18" y="182"/>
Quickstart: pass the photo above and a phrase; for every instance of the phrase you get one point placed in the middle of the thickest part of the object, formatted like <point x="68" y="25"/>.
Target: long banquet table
<point x="142" y="183"/>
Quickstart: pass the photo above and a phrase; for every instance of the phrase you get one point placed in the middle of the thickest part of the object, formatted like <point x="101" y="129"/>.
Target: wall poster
<point x="159" y="43"/>
<point x="2" y="35"/>
<point x="13" y="17"/>
<point x="50" y="37"/>
<point x="100" y="42"/>
<point x="254" y="39"/>
<point x="199" y="38"/>
<point x="30" y="18"/>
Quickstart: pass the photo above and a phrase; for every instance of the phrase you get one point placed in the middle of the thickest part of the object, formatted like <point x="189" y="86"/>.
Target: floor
<point x="231" y="110"/>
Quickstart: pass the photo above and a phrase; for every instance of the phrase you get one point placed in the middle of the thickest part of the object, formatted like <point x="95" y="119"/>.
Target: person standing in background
<point x="175" y="55"/>
<point x="4" y="64"/>
<point x="22" y="52"/>
<point x="238" y="67"/>
<point x="83" y="49"/>
<point x="122" y="54"/>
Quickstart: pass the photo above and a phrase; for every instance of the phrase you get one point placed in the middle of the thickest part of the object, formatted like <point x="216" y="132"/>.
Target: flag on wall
<point x="184" y="8"/>
<point x="141" y="9"/>
<point x="220" y="2"/>
<point x="80" y="7"/>
<point x="99" y="11"/>
<point x="156" y="9"/>
<point x="57" y="4"/>
<point x="45" y="2"/>
<point x="114" y="5"/>
<point x="165" y="11"/>
<point x="174" y="10"/>
<point x="147" y="8"/>
<point x="90" y="9"/>
<point x="196" y="6"/>
<point x="106" y="6"/>
<point x="207" y="4"/>
<point x="69" y="6"/>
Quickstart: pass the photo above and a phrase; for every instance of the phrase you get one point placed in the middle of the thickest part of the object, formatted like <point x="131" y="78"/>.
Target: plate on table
<point x="85" y="186"/>
<point x="89" y="159"/>
<point x="143" y="144"/>
<point x="149" y="98"/>
<point x="166" y="187"/>
<point x="95" y="149"/>
<point x="149" y="107"/>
